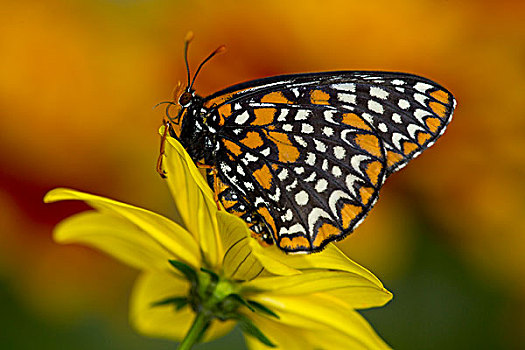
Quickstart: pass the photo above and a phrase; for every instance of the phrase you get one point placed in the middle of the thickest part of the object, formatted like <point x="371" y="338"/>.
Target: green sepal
<point x="178" y="302"/>
<point x="249" y="328"/>
<point x="241" y="300"/>
<point x="186" y="270"/>
<point x="213" y="275"/>
<point x="260" y="307"/>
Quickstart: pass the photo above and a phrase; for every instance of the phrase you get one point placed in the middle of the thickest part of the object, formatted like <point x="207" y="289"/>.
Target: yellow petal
<point x="166" y="233"/>
<point x="194" y="200"/>
<point x="165" y="321"/>
<point x="289" y="337"/>
<point x="354" y="290"/>
<point x="331" y="258"/>
<point x="115" y="236"/>
<point x="272" y="259"/>
<point x="284" y="336"/>
<point x="238" y="262"/>
<point x="318" y="312"/>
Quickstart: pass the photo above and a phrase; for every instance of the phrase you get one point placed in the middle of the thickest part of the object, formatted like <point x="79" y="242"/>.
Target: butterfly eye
<point x="185" y="99"/>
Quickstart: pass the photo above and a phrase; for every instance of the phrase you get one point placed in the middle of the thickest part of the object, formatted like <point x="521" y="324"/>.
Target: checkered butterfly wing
<point x="304" y="156"/>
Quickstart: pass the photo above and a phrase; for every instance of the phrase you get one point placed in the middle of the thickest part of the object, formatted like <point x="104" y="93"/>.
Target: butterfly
<point x="301" y="158"/>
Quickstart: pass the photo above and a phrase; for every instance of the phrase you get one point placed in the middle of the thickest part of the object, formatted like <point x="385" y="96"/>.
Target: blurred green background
<point x="78" y="80"/>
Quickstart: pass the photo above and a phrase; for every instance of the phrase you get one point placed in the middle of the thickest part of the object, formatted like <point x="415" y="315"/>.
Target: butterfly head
<point x="184" y="96"/>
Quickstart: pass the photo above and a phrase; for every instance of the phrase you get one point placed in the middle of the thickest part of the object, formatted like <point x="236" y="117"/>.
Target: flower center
<point x="214" y="295"/>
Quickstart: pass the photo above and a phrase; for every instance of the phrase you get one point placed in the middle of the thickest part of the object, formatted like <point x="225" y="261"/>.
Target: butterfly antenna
<point x="187" y="40"/>
<point x="218" y="50"/>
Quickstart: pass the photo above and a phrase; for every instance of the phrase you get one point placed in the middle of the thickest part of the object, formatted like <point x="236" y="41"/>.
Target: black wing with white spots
<point x="302" y="157"/>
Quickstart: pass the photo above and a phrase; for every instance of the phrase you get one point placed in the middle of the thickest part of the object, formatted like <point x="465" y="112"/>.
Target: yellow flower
<point x="205" y="273"/>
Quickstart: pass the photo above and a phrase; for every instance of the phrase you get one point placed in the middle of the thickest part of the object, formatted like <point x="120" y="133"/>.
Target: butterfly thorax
<point x="195" y="134"/>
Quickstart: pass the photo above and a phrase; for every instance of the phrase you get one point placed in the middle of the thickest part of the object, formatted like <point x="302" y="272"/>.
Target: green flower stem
<point x="193" y="336"/>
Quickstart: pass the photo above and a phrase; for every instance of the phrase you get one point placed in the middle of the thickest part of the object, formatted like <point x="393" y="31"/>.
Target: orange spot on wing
<point x="228" y="205"/>
<point x="294" y="243"/>
<point x="423" y="137"/>
<point x="275" y="97"/>
<point x="438" y="108"/>
<point x="373" y="170"/>
<point x="433" y="124"/>
<point x="441" y="96"/>
<point x="232" y="147"/>
<point x="221" y="186"/>
<point x="264" y="177"/>
<point x="409" y="147"/>
<point x="263" y="211"/>
<point x="319" y="97"/>
<point x="287" y="151"/>
<point x="325" y="232"/>
<point x="366" y="193"/>
<point x="264" y="116"/>
<point x="369" y="143"/>
<point x="348" y="213"/>
<point x="393" y="158"/>
<point x="252" y="140"/>
<point x="225" y="111"/>
<point x="354" y="120"/>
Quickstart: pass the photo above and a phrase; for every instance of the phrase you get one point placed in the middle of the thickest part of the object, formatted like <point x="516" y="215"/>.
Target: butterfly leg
<point x="215" y="181"/>
<point x="161" y="171"/>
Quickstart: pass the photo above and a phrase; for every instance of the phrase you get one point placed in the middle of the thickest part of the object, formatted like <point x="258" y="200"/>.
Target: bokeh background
<point x="78" y="80"/>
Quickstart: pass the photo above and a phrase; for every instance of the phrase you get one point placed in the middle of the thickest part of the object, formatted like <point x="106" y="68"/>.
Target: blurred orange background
<point x="78" y="80"/>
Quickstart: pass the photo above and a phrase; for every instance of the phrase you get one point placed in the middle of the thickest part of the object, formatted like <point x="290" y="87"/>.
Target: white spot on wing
<point x="314" y="216"/>
<point x="378" y="92"/>
<point x="396" y="139"/>
<point x="421" y="99"/>
<point x="311" y="177"/>
<point x="302" y="114"/>
<point x="348" y="98"/>
<point x="321" y="185"/>
<point x="302" y="198"/>
<point x="328" y="131"/>
<point x="276" y="195"/>
<point x="350" y="182"/>
<point x="413" y="128"/>
<point x="397" y="118"/>
<point x="420" y="114"/>
<point x="356" y="162"/>
<point x="422" y="87"/>
<point x="307" y="128"/>
<point x="339" y="152"/>
<point x="242" y="118"/>
<point x="334" y="198"/>
<point x="300" y="141"/>
<point x="282" y="115"/>
<point x="336" y="171"/>
<point x="297" y="228"/>
<point x="321" y="147"/>
<point x="344" y="86"/>
<point x="283" y="174"/>
<point x="250" y="158"/>
<point x="403" y="104"/>
<point x="375" y="106"/>
<point x="329" y="117"/>
<point x="310" y="159"/>
<point x="368" y="117"/>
